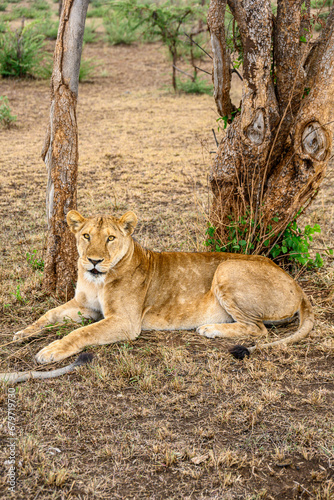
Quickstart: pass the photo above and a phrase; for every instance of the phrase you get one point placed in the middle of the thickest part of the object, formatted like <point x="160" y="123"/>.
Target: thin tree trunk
<point x="174" y="56"/>
<point x="273" y="157"/>
<point x="60" y="151"/>
<point x="222" y="70"/>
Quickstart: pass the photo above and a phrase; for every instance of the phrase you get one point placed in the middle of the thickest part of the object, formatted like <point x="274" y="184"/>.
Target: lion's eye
<point x="111" y="238"/>
<point x="86" y="236"/>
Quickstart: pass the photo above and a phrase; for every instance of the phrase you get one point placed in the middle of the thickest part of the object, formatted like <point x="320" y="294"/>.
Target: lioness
<point x="126" y="288"/>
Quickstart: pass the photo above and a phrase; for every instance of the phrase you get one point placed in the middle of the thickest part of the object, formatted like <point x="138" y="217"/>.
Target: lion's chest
<point x="90" y="297"/>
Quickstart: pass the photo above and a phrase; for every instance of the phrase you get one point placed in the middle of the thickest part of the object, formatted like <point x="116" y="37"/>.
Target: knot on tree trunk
<point x="315" y="142"/>
<point x="255" y="132"/>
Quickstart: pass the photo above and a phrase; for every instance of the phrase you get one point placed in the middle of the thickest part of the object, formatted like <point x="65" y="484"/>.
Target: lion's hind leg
<point x="238" y="293"/>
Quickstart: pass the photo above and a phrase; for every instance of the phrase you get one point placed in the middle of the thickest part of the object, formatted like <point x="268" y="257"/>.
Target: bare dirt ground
<point x="170" y="415"/>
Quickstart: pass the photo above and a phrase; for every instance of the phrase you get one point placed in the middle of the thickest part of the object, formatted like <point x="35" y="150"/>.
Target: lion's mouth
<point x="95" y="272"/>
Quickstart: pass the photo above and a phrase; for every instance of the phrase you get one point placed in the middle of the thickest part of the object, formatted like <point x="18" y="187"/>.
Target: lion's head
<point x="101" y="241"/>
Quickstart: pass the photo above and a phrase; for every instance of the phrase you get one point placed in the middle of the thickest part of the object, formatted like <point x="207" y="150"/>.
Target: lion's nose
<point x="95" y="262"/>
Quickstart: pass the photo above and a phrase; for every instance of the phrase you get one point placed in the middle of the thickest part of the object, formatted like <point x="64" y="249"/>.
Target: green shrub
<point x="21" y="52"/>
<point x="293" y="244"/>
<point x="320" y="4"/>
<point x="46" y="68"/>
<point x="49" y="29"/>
<point x="6" y="118"/>
<point x="26" y="12"/>
<point x="87" y="68"/>
<point x="36" y="263"/>
<point x="3" y="6"/>
<point x="90" y="34"/>
<point x="165" y="21"/>
<point x="196" y="86"/>
<point x="121" y="30"/>
<point x="41" y="5"/>
<point x="100" y="11"/>
<point x="9" y="16"/>
<point x="322" y="18"/>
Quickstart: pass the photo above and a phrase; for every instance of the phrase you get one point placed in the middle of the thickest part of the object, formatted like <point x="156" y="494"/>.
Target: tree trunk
<point x="273" y="157"/>
<point x="174" y="56"/>
<point x="60" y="151"/>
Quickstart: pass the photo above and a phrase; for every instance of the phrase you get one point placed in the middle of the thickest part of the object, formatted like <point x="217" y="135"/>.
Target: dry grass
<point x="171" y="415"/>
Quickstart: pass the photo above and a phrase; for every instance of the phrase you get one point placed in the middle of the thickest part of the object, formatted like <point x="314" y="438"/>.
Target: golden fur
<point x="126" y="288"/>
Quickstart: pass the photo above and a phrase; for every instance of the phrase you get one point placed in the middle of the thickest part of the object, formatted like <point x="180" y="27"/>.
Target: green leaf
<point x="275" y="251"/>
<point x="210" y="230"/>
<point x="318" y="260"/>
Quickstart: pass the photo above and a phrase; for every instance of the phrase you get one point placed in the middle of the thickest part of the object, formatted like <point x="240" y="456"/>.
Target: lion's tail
<point x="15" y="377"/>
<point x="306" y="322"/>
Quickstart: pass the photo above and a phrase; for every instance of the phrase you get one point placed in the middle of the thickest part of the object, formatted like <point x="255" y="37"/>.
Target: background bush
<point x="121" y="30"/>
<point x="6" y="118"/>
<point x="22" y="52"/>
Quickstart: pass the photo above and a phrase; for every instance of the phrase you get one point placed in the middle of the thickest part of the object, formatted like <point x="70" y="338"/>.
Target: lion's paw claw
<point x="21" y="334"/>
<point x="207" y="331"/>
<point x="52" y="352"/>
<point x="18" y="335"/>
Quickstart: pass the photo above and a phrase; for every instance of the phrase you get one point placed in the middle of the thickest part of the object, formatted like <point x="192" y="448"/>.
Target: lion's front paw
<point x="22" y="334"/>
<point x="56" y="351"/>
<point x="208" y="331"/>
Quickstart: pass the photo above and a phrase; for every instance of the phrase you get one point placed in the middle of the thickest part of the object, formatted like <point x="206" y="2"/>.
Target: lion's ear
<point x="128" y="222"/>
<point x="74" y="220"/>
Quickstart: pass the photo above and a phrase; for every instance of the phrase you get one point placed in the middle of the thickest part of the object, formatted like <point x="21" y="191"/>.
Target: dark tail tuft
<point x="239" y="351"/>
<point x="84" y="357"/>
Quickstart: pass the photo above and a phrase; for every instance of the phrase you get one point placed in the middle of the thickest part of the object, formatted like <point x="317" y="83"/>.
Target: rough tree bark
<point x="273" y="156"/>
<point x="60" y="150"/>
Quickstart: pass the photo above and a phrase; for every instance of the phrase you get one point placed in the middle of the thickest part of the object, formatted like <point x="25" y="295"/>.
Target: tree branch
<point x="238" y="13"/>
<point x="240" y="163"/>
<point x="287" y="46"/>
<point x="203" y="70"/>
<point x="183" y="72"/>
<point x="311" y="142"/>
<point x="221" y="59"/>
<point x="193" y="41"/>
<point x="259" y="105"/>
<point x="318" y="48"/>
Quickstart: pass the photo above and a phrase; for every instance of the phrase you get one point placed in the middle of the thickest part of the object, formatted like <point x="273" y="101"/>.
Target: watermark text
<point x="11" y="424"/>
